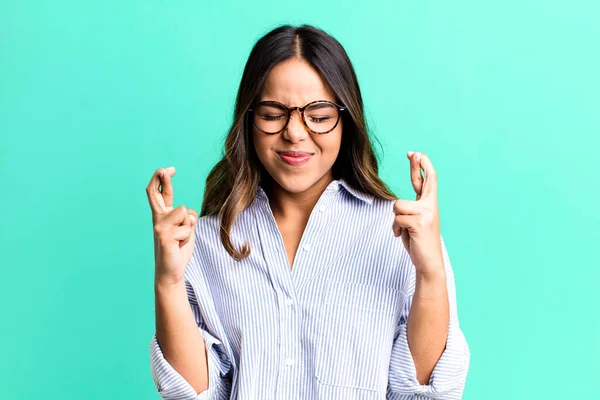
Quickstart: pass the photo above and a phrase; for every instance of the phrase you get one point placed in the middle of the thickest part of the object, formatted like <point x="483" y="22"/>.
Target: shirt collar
<point x="335" y="186"/>
<point x="359" y="194"/>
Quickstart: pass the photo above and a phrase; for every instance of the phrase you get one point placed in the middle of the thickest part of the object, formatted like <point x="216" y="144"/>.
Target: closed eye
<point x="272" y="117"/>
<point x="320" y="119"/>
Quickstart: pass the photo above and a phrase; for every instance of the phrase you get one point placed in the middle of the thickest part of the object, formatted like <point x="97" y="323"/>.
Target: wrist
<point x="168" y="285"/>
<point x="431" y="286"/>
<point x="435" y="275"/>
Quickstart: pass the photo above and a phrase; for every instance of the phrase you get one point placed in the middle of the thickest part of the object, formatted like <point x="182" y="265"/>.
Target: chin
<point x="295" y="184"/>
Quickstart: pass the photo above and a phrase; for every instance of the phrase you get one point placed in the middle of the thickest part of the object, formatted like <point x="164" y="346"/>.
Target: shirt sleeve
<point x="448" y="378"/>
<point x="171" y="385"/>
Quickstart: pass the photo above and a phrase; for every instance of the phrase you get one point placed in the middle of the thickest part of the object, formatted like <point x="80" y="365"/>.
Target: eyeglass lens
<point x="319" y="117"/>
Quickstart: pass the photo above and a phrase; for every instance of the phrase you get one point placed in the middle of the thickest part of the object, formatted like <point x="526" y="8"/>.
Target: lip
<point x="295" y="158"/>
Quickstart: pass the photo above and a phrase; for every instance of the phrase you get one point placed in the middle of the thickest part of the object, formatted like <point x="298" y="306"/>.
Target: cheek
<point x="330" y="144"/>
<point x="262" y="144"/>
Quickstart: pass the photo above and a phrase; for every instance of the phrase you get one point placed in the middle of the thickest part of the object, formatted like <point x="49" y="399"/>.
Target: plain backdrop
<point x="95" y="96"/>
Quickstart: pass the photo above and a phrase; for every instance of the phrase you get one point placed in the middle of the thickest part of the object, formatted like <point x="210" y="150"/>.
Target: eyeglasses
<point x="319" y="116"/>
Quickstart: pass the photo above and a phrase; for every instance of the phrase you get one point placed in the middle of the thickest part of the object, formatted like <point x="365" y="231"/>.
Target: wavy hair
<point x="232" y="183"/>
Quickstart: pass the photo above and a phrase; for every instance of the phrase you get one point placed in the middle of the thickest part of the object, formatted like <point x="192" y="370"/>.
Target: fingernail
<point x="410" y="153"/>
<point x="170" y="167"/>
<point x="193" y="218"/>
<point x="160" y="173"/>
<point x="418" y="156"/>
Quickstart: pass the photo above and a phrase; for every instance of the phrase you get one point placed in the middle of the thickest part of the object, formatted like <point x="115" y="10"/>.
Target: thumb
<point x="191" y="222"/>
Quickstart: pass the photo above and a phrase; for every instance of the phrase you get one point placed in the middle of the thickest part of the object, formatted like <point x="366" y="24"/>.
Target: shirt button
<point x="289" y="302"/>
<point x="306" y="247"/>
<point x="289" y="362"/>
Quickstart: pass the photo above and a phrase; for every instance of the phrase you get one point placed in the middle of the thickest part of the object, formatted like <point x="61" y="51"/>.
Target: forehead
<point x="294" y="82"/>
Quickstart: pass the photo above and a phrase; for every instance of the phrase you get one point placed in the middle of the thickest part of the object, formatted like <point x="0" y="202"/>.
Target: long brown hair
<point x="231" y="185"/>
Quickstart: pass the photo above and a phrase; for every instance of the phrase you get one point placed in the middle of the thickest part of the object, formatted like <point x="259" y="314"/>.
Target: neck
<point x="285" y="204"/>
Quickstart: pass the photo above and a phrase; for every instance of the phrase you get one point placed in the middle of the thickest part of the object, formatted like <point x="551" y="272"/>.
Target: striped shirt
<point x="331" y="327"/>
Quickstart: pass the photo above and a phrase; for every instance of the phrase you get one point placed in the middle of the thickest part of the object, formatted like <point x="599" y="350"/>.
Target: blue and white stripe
<point x="331" y="327"/>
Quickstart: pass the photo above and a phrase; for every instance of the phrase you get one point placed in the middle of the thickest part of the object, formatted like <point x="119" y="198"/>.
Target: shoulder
<point x="207" y="225"/>
<point x="208" y="229"/>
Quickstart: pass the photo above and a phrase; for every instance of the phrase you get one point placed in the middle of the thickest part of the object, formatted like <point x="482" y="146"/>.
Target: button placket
<point x="289" y="335"/>
<point x="276" y="256"/>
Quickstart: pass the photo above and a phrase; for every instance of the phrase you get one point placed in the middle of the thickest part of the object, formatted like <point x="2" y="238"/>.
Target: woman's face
<point x="293" y="82"/>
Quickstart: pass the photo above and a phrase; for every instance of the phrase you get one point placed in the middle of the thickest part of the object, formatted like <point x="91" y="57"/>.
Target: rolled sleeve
<point x="449" y="375"/>
<point x="172" y="386"/>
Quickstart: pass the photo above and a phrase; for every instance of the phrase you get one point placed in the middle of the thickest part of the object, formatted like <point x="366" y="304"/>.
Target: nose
<point x="295" y="130"/>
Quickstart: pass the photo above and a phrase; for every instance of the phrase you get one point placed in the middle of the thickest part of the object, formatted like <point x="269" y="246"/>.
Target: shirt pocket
<point x="356" y="334"/>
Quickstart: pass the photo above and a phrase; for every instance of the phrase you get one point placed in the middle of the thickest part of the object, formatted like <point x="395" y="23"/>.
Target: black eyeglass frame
<point x="301" y="109"/>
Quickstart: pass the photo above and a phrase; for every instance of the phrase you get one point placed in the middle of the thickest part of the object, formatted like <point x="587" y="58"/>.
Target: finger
<point x="406" y="238"/>
<point x="182" y="233"/>
<point x="191" y="222"/>
<point x="415" y="172"/>
<point x="155" y="199"/>
<point x="177" y="216"/>
<point x="430" y="181"/>
<point x="398" y="230"/>
<point x="167" y="186"/>
<point x="406" y="207"/>
<point x="405" y="222"/>
<point x="193" y="215"/>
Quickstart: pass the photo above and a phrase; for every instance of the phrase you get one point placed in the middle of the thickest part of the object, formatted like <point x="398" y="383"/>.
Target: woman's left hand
<point x="418" y="221"/>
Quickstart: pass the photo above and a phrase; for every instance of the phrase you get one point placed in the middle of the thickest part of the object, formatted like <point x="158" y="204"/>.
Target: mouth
<point x="295" y="158"/>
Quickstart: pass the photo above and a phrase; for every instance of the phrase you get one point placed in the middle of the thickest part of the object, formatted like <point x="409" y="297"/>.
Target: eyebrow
<point x="321" y="105"/>
<point x="273" y="103"/>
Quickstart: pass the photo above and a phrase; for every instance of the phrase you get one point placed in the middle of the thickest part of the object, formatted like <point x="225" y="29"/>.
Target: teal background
<point x="94" y="96"/>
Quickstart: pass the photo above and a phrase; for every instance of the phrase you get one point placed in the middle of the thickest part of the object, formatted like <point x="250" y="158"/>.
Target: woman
<point x="294" y="284"/>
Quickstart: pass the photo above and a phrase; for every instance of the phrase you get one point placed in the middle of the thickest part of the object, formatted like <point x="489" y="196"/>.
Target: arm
<point x="187" y="362"/>
<point x="439" y="359"/>
<point x="180" y="340"/>
<point x="427" y="326"/>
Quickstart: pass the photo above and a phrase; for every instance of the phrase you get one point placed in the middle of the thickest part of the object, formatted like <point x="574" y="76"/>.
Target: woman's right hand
<point x="173" y="229"/>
